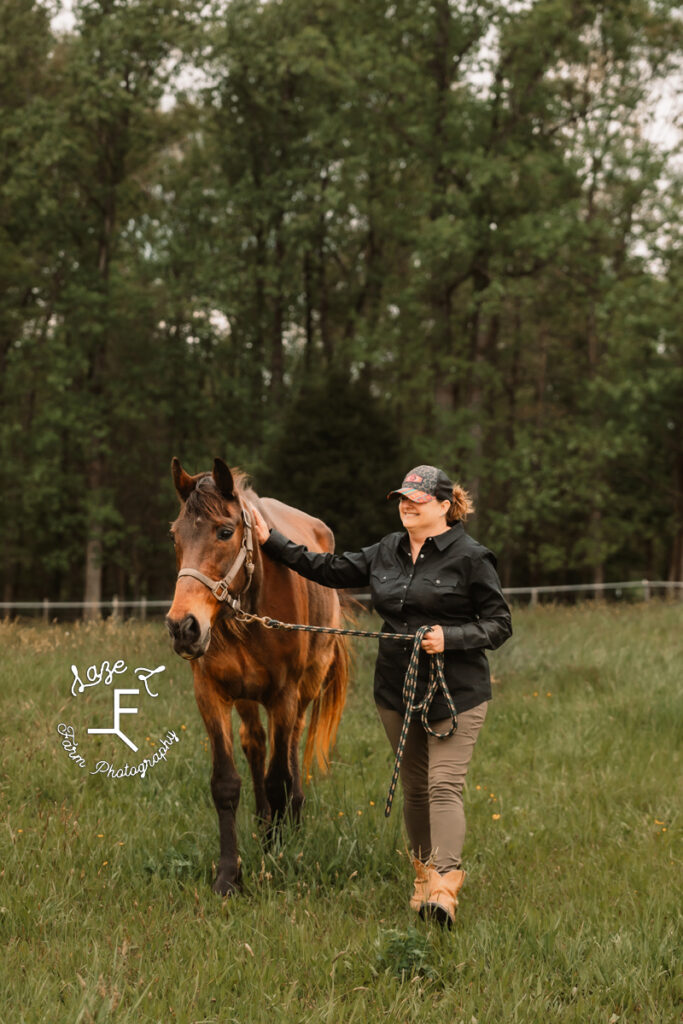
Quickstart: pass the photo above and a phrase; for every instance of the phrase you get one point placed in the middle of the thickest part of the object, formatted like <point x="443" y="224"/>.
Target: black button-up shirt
<point x="453" y="584"/>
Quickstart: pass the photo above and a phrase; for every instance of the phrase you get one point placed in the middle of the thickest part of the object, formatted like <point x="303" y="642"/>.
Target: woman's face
<point x="425" y="517"/>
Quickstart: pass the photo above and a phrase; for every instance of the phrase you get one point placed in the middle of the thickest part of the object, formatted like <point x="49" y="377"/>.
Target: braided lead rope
<point x="437" y="680"/>
<point x="269" y="623"/>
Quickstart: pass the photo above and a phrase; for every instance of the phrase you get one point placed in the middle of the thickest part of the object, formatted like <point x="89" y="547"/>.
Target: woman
<point x="431" y="574"/>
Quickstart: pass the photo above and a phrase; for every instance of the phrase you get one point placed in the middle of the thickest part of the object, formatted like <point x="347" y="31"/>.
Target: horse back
<point x="288" y="596"/>
<point x="295" y="524"/>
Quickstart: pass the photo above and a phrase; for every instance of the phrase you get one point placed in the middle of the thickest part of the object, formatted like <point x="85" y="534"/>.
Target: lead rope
<point x="437" y="679"/>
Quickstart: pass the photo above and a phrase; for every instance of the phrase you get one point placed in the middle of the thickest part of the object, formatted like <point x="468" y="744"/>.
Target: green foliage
<point x="337" y="455"/>
<point x="411" y="230"/>
<point x="404" y="954"/>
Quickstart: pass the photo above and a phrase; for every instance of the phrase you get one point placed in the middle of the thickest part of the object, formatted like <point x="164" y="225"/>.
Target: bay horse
<point x="220" y="569"/>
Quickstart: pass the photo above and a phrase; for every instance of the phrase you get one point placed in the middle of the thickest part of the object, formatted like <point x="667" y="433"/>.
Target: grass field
<point x="572" y="907"/>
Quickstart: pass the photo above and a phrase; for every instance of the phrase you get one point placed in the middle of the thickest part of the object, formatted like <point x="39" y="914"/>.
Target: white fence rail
<point x="646" y="586"/>
<point x="116" y="606"/>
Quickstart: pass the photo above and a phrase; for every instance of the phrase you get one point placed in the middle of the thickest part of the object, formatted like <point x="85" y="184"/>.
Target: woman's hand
<point x="433" y="641"/>
<point x="259" y="525"/>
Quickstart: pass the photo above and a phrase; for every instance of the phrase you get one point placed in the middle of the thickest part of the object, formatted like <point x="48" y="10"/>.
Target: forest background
<point x="328" y="240"/>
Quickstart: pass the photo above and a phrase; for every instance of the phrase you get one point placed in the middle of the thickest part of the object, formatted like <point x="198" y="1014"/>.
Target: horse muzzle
<point x="189" y="641"/>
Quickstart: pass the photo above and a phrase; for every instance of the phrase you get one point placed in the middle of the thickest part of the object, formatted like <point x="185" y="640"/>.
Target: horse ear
<point x="223" y="479"/>
<point x="184" y="483"/>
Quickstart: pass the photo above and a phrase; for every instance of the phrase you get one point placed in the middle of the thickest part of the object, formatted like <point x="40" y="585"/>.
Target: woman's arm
<point x="494" y="624"/>
<point x="352" y="569"/>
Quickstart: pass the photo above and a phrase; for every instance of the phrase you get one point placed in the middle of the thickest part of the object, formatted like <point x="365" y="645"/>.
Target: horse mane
<point x="207" y="500"/>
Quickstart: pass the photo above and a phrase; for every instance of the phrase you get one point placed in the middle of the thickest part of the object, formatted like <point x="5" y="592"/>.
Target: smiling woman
<point x="432" y="574"/>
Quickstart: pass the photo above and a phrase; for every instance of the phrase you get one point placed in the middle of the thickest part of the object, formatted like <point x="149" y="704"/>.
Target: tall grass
<point x="571" y="910"/>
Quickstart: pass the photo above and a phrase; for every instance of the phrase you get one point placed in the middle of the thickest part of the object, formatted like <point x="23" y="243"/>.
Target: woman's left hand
<point x="433" y="641"/>
<point x="259" y="525"/>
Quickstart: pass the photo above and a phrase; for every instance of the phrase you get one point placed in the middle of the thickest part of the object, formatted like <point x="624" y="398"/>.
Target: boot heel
<point x="420" y="886"/>
<point x="442" y="901"/>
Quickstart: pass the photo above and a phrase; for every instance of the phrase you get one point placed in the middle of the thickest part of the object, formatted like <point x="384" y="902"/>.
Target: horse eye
<point x="224" y="532"/>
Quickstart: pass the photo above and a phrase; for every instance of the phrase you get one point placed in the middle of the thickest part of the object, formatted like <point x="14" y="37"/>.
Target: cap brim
<point x="420" y="497"/>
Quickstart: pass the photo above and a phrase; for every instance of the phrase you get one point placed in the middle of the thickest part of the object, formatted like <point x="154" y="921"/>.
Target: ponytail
<point x="461" y="505"/>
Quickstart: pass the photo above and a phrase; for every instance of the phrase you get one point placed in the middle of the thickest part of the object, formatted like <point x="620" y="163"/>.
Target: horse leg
<point x="253" y="740"/>
<point x="225" y="785"/>
<point x="297" y="793"/>
<point x="283" y="716"/>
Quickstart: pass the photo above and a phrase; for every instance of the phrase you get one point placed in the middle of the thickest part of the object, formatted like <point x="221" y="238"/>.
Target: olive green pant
<point x="432" y="777"/>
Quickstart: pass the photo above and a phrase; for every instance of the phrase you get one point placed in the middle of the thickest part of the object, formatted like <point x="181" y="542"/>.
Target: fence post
<point x="143" y="609"/>
<point x="46" y="609"/>
<point x="646" y="588"/>
<point x="115" y="607"/>
<point x="533" y="600"/>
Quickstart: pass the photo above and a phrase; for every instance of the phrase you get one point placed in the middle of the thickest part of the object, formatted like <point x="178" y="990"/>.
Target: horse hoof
<point x="223" y="887"/>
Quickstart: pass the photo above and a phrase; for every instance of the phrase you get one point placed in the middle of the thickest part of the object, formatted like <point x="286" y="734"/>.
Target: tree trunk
<point x="676" y="559"/>
<point x="541" y="377"/>
<point x="595" y="531"/>
<point x="277" y="368"/>
<point x="323" y="301"/>
<point x="598" y="563"/>
<point x="8" y="588"/>
<point x="93" y="545"/>
<point x="96" y="384"/>
<point x="482" y="343"/>
<point x="308" y="300"/>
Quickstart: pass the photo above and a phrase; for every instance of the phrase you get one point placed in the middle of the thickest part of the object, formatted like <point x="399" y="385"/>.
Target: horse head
<point x="214" y="555"/>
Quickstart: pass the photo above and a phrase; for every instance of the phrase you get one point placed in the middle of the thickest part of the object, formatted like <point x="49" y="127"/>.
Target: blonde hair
<point x="461" y="505"/>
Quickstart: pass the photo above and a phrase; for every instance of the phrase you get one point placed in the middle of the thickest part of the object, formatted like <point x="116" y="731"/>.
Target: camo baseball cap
<point x="424" y="483"/>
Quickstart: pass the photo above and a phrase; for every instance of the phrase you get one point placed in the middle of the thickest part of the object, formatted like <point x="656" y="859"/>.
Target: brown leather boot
<point x="421" y="890"/>
<point x="442" y="898"/>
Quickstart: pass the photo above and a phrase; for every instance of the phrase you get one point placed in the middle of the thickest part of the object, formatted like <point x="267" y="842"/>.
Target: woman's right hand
<point x="259" y="525"/>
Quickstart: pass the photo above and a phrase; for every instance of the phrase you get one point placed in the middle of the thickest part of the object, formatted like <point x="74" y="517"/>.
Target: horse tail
<point x="326" y="709"/>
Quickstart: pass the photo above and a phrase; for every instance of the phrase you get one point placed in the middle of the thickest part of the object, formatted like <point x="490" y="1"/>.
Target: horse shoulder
<point x="297" y="525"/>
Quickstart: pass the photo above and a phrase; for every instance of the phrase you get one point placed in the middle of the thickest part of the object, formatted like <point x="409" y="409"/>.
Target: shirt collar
<point x="442" y="540"/>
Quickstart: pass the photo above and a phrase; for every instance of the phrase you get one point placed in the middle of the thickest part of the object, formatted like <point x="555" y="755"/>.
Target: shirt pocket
<point x="386" y="589"/>
<point x="446" y="595"/>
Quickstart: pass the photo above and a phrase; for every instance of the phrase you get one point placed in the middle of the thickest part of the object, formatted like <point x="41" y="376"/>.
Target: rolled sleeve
<point x="493" y="625"/>
<point x="352" y="569"/>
